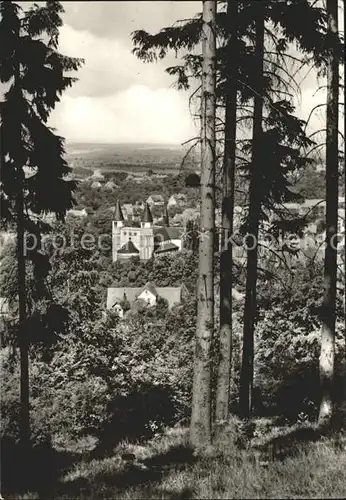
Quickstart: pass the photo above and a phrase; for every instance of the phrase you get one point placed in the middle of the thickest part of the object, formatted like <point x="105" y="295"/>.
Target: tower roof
<point x="147" y="217"/>
<point x="151" y="288"/>
<point x="166" y="246"/>
<point x="166" y="217"/>
<point x="118" y="213"/>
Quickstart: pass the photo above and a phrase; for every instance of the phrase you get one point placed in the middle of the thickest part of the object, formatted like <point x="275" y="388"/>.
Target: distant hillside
<point x="134" y="158"/>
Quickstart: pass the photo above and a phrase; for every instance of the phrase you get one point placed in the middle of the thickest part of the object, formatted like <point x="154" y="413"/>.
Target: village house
<point x="149" y="294"/>
<point x="156" y="200"/>
<point x="45" y="218"/>
<point x="177" y="200"/>
<point x="315" y="209"/>
<point x="128" y="210"/>
<point x="110" y="185"/>
<point x="77" y="213"/>
<point x="176" y="236"/>
<point x="97" y="176"/>
<point x="312" y="207"/>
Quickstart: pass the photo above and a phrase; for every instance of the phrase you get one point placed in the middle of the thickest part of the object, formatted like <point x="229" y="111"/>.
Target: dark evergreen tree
<point x="33" y="167"/>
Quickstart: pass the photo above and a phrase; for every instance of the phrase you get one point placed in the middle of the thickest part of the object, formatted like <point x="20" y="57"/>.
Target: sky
<point x="120" y="99"/>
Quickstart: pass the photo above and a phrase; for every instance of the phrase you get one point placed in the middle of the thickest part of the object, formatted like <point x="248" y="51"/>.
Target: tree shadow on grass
<point x="287" y="444"/>
<point x="37" y="469"/>
<point x="143" y="474"/>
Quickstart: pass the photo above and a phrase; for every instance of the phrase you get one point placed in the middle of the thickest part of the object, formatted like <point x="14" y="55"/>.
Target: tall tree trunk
<point x="200" y="428"/>
<point x="23" y="342"/>
<point x="246" y="377"/>
<point x="330" y="259"/>
<point x="226" y="257"/>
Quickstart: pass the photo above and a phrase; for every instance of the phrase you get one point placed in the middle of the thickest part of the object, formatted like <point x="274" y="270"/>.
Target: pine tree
<point x="226" y="254"/>
<point x="200" y="428"/>
<point x="32" y="167"/>
<point x="246" y="377"/>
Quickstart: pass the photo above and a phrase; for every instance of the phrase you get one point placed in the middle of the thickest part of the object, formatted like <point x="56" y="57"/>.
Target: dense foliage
<point x="112" y="378"/>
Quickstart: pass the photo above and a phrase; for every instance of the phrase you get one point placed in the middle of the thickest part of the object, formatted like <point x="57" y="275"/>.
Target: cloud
<point x="109" y="65"/>
<point x="138" y="114"/>
<point x="116" y="20"/>
<point x="117" y="97"/>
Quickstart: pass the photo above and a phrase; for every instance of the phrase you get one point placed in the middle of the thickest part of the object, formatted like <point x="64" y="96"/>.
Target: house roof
<point x="172" y="294"/>
<point x="166" y="246"/>
<point x="110" y="185"/>
<point x="161" y="234"/>
<point x="313" y="202"/>
<point x="96" y="184"/>
<point x="310" y="203"/>
<point x="175" y="233"/>
<point x="116" y="295"/>
<point x="156" y="197"/>
<point x="147" y="217"/>
<point x="97" y="173"/>
<point x="151" y="288"/>
<point x="179" y="196"/>
<point x="46" y="218"/>
<point x="77" y="213"/>
<point x="128" y="248"/>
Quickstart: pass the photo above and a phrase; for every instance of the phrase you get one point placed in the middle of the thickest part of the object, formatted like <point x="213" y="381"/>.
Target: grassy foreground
<point x="289" y="464"/>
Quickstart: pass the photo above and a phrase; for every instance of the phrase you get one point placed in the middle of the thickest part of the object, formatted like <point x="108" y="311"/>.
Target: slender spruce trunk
<point x="24" y="425"/>
<point x="23" y="343"/>
<point x="226" y="254"/>
<point x="200" y="427"/>
<point x="247" y="368"/>
<point x="330" y="259"/>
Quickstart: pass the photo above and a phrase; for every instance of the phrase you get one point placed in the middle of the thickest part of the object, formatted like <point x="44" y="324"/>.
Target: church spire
<point x="147" y="217"/>
<point x="118" y="216"/>
<point x="165" y="217"/>
<point x="118" y="213"/>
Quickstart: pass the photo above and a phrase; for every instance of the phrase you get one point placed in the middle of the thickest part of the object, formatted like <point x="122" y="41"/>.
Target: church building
<point x="144" y="241"/>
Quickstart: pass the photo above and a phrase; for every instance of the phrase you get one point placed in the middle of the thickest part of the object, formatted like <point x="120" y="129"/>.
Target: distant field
<point x="131" y="158"/>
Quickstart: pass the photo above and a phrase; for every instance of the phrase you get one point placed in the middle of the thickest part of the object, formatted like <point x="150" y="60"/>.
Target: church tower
<point x="118" y="223"/>
<point x="118" y="216"/>
<point x="129" y="241"/>
<point x="147" y="217"/>
<point x="165" y="217"/>
<point x="146" y="249"/>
